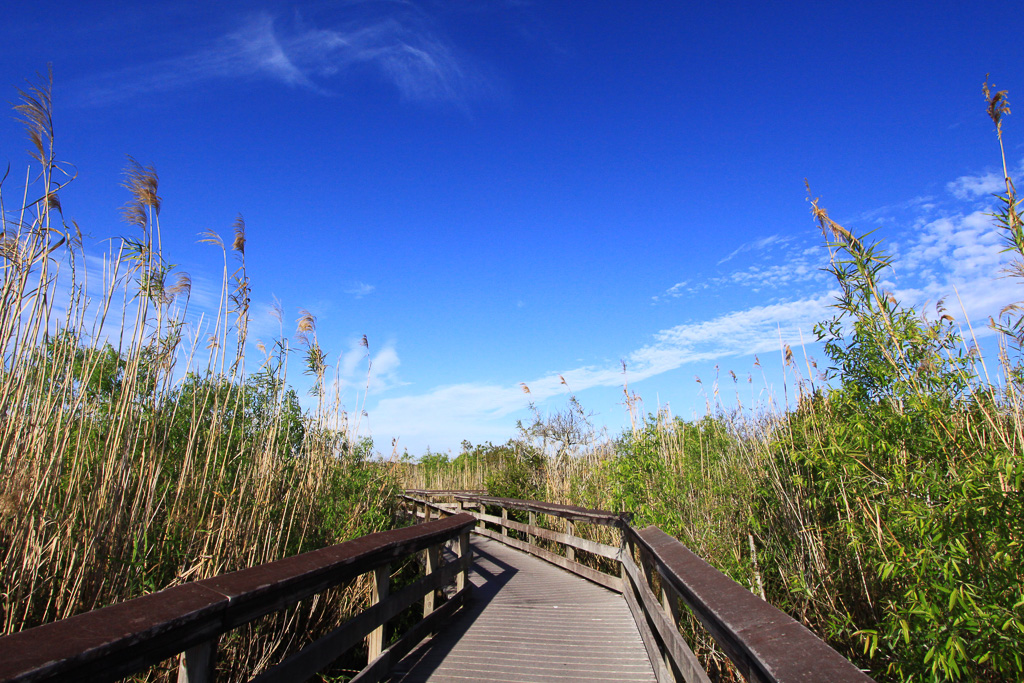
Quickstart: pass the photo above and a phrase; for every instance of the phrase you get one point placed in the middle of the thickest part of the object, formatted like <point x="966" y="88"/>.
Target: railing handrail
<point x="116" y="641"/>
<point x="765" y="644"/>
<point x="571" y="512"/>
<point x="443" y="492"/>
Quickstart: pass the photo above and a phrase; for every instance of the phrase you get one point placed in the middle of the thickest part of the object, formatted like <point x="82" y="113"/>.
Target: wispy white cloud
<point x="266" y="321"/>
<point x="956" y="246"/>
<point x="476" y="408"/>
<point x="785" y="269"/>
<point x="756" y="245"/>
<point x="953" y="254"/>
<point x="886" y="213"/>
<point x="399" y="47"/>
<point x="800" y="267"/>
<point x="972" y="186"/>
<point x="958" y="256"/>
<point x="383" y="371"/>
<point x="373" y="372"/>
<point x="360" y="289"/>
<point x="448" y="414"/>
<point x="674" y="292"/>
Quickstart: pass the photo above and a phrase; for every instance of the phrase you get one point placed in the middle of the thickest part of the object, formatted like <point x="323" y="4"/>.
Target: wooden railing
<point x="529" y="533"/>
<point x="659" y="578"/>
<point x="116" y="641"/>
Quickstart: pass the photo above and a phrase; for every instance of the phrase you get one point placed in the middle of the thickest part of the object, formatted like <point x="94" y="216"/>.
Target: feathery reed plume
<point x="142" y="182"/>
<point x="239" y="242"/>
<point x="211" y="237"/>
<point x="182" y="286"/>
<point x="998" y="106"/>
<point x="277" y="310"/>
<point x="125" y="473"/>
<point x="36" y="111"/>
<point x="828" y="226"/>
<point x="997" y="103"/>
<point x="306" y="322"/>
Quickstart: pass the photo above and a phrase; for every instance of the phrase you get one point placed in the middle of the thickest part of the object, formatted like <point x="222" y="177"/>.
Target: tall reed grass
<point x="136" y="452"/>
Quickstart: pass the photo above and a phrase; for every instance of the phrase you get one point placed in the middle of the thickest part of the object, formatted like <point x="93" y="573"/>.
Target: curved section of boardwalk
<point x="531" y="621"/>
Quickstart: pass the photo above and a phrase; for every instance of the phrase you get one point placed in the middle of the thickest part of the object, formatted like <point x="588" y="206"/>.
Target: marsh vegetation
<point x="885" y="510"/>
<point x="136" y="450"/>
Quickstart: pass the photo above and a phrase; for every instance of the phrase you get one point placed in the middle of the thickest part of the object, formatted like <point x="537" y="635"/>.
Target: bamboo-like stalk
<point x="132" y="458"/>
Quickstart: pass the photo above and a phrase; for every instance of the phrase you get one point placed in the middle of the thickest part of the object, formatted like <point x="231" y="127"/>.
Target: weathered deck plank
<point x="531" y="621"/>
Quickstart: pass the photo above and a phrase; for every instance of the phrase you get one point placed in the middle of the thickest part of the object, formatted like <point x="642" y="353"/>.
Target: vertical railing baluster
<point x="570" y="529"/>
<point x="533" y="522"/>
<point x="433" y="561"/>
<point x="504" y="521"/>
<point x="381" y="585"/>
<point x="671" y="607"/>
<point x="465" y="557"/>
<point x="196" y="663"/>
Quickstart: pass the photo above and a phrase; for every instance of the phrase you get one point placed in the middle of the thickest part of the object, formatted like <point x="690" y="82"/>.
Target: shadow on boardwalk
<point x="530" y="621"/>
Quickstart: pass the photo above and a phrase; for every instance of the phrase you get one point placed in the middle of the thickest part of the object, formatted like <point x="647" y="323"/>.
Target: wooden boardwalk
<point x="510" y="616"/>
<point x="531" y="621"/>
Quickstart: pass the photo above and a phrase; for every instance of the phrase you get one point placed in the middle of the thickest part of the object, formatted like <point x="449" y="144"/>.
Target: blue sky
<point x="502" y="192"/>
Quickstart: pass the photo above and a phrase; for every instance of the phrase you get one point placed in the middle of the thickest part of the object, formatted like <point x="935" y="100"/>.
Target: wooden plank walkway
<point x="531" y="621"/>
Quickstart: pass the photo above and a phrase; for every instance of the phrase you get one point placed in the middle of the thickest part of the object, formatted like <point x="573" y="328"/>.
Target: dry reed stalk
<point x="117" y="481"/>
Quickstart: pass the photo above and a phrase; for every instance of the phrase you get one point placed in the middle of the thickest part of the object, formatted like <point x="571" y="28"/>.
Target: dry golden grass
<point x="154" y="460"/>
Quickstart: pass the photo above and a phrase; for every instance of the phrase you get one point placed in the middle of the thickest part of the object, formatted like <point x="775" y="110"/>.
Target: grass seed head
<point x="306" y="321"/>
<point x="142" y="182"/>
<point x="36" y="113"/>
<point x="239" y="242"/>
<point x="182" y="285"/>
<point x="998" y="105"/>
<point x="210" y="237"/>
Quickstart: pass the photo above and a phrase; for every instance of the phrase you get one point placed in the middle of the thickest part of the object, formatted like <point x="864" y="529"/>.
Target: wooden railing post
<point x="381" y="584"/>
<point x="649" y="570"/>
<point x="625" y="550"/>
<point x="504" y="521"/>
<point x="433" y="561"/>
<point x="531" y="539"/>
<point x="463" y="550"/>
<point x="196" y="663"/>
<point x="670" y="604"/>
<point x="570" y="529"/>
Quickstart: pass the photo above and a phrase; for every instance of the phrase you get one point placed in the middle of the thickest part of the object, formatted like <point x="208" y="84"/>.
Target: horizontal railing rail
<point x="765" y="644"/>
<point x="444" y="492"/>
<point x="565" y="543"/>
<point x="116" y="641"/>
